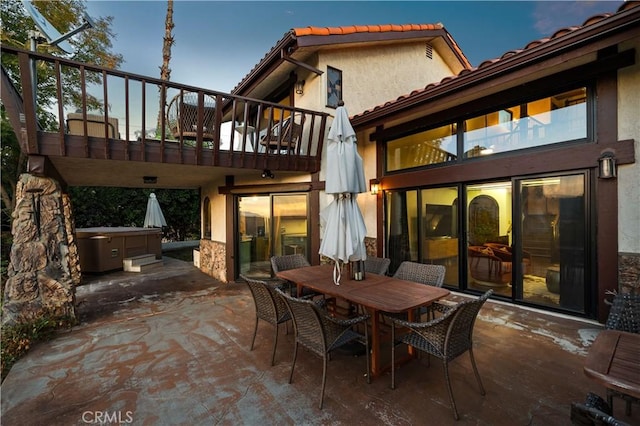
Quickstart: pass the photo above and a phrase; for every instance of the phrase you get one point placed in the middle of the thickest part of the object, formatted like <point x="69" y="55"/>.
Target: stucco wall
<point x="371" y="76"/>
<point x="629" y="175"/>
<point x="218" y="212"/>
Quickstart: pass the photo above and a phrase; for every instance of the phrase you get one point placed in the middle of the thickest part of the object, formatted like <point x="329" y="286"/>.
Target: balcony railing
<point x="130" y="117"/>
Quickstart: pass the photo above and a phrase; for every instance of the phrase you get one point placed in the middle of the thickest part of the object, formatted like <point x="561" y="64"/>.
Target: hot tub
<point x="104" y="248"/>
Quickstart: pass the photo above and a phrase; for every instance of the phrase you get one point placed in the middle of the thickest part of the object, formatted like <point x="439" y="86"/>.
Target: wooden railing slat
<point x="204" y="149"/>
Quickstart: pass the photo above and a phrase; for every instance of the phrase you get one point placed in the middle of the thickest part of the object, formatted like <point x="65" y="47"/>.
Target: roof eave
<point x="509" y="62"/>
<point x="270" y="61"/>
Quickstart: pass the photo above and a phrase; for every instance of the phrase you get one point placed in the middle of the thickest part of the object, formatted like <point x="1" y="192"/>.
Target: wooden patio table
<point x="377" y="293"/>
<point x="613" y="360"/>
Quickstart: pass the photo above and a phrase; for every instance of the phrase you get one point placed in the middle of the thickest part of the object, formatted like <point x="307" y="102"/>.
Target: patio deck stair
<point x="141" y="263"/>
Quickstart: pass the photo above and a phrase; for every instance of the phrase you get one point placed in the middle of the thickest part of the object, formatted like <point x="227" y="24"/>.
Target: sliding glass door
<point x="526" y="238"/>
<point x="269" y="225"/>
<point x="554" y="241"/>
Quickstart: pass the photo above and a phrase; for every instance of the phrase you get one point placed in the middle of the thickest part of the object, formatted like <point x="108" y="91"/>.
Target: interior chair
<point x="269" y="307"/>
<point x="291" y="261"/>
<point x="624" y="315"/>
<point x="445" y="337"/>
<point x="487" y="268"/>
<point x="377" y="265"/>
<point x="321" y="333"/>
<point x="283" y="136"/>
<point x="422" y="273"/>
<point x="505" y="253"/>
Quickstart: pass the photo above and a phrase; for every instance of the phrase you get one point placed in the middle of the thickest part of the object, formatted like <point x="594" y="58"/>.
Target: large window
<point x="422" y="149"/>
<point x="559" y="118"/>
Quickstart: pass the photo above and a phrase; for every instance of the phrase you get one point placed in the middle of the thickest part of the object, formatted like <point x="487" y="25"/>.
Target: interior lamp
<point x="300" y="87"/>
<point x="607" y="166"/>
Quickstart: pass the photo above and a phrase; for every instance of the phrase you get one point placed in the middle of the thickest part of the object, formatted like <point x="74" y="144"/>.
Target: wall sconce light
<point x="374" y="185"/>
<point x="300" y="87"/>
<point x="607" y="165"/>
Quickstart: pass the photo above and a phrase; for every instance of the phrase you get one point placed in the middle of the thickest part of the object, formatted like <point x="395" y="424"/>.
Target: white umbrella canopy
<point x="342" y="221"/>
<point x="154" y="217"/>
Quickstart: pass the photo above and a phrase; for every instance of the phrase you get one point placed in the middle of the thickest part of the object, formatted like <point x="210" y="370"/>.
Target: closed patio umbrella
<point x="154" y="217"/>
<point x="343" y="224"/>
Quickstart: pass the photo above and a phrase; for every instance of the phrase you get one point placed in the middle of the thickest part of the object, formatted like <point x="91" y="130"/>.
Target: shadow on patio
<point x="171" y="346"/>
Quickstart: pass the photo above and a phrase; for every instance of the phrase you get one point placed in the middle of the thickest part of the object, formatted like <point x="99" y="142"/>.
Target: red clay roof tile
<point x="321" y="31"/>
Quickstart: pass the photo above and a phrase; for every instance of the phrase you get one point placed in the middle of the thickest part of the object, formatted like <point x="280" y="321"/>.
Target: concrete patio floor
<point x="171" y="346"/>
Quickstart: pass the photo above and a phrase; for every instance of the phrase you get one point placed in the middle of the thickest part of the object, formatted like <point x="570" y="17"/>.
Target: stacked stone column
<point x="44" y="267"/>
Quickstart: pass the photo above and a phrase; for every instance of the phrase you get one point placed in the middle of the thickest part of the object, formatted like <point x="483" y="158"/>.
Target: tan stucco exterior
<point x="372" y="74"/>
<point x="629" y="175"/>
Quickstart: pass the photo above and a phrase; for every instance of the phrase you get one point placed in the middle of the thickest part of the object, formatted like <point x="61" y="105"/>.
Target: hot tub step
<point x="141" y="263"/>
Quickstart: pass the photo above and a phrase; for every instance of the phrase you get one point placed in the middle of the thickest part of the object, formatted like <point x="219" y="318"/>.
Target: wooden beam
<point x="308" y="67"/>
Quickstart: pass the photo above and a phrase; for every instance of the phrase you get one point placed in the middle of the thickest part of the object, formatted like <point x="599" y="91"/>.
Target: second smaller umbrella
<point x="154" y="217"/>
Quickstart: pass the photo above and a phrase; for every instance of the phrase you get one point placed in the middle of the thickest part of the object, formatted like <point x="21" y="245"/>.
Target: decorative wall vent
<point x="428" y="51"/>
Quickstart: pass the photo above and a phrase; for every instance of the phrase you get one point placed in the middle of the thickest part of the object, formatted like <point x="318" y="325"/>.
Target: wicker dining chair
<point x="269" y="307"/>
<point x="377" y="265"/>
<point x="321" y="333"/>
<point x="291" y="261"/>
<point x="422" y="273"/>
<point x="445" y="337"/>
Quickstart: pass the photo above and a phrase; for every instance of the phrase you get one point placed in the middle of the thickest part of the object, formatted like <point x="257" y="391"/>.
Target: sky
<point x="217" y="43"/>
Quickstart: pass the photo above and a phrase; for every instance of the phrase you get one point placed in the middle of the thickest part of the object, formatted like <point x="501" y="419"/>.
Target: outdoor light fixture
<point x="266" y="173"/>
<point x="374" y="185"/>
<point x="300" y="87"/>
<point x="607" y="165"/>
<point x="150" y="179"/>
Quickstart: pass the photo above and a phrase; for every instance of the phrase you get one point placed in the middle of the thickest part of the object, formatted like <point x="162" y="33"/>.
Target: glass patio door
<point x="489" y="245"/>
<point x="270" y="225"/>
<point x="538" y="253"/>
<point x="253" y="237"/>
<point x="554" y="241"/>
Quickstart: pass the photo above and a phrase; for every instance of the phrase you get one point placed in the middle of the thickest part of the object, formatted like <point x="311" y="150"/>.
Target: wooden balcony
<point x="150" y="126"/>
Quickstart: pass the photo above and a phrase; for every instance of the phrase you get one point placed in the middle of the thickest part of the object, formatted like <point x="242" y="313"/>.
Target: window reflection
<point x="440" y="230"/>
<point x="422" y="149"/>
<point x="545" y="121"/>
<point x="553" y="233"/>
<point x="554" y="119"/>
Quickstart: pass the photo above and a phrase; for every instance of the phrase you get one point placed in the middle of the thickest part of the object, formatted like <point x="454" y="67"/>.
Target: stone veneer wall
<point x="213" y="259"/>
<point x="629" y="272"/>
<point x="40" y="281"/>
<point x="70" y="227"/>
<point x="371" y="246"/>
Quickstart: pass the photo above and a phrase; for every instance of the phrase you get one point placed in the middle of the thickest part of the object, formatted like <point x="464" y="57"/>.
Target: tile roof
<point x="290" y="37"/>
<point x="321" y="31"/>
<point x="627" y="5"/>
